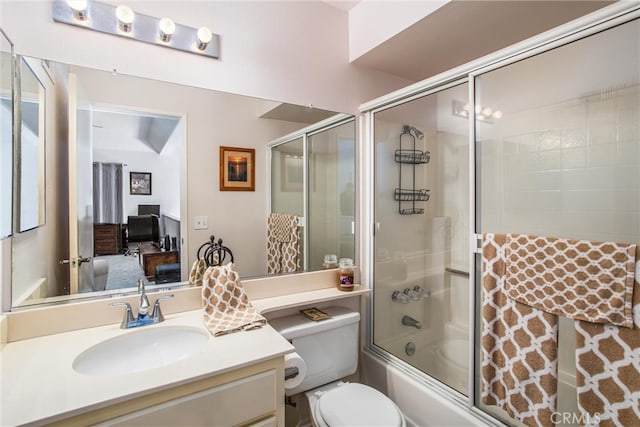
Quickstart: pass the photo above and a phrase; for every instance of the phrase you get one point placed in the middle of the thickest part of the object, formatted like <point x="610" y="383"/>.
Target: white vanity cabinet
<point x="249" y="396"/>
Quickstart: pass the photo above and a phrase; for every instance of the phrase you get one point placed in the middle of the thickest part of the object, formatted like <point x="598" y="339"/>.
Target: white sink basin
<point x="140" y="350"/>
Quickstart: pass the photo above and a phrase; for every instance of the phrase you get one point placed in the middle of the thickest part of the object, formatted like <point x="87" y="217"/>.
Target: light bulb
<point x="497" y="114"/>
<point x="125" y="18"/>
<point x="79" y="8"/>
<point x="204" y="37"/>
<point x="487" y="112"/>
<point x="167" y="28"/>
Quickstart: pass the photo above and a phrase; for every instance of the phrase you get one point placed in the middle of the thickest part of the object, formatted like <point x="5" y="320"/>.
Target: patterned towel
<point x="608" y="369"/>
<point x="519" y="346"/>
<point x="226" y="305"/>
<point x="197" y="272"/>
<point x="578" y="279"/>
<point x="519" y="341"/>
<point x="283" y="244"/>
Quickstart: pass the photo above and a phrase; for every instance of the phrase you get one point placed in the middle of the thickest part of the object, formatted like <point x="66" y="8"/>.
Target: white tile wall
<point x="544" y="173"/>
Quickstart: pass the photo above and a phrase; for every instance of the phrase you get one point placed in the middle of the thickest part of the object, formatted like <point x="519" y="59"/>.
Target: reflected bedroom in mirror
<point x="131" y="179"/>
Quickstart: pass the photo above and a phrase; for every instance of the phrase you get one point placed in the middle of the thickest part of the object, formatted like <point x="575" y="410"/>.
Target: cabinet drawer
<point x="106" y="239"/>
<point x="248" y="400"/>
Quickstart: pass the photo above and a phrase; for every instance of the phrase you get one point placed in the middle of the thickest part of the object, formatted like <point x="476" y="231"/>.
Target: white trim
<point x="184" y="198"/>
<point x="305" y="200"/>
<point x="472" y="242"/>
<point x="447" y="84"/>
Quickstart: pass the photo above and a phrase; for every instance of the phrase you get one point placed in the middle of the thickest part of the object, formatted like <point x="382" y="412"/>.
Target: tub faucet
<point x="410" y="321"/>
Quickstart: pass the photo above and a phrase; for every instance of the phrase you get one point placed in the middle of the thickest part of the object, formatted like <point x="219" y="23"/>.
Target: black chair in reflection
<point x="141" y="229"/>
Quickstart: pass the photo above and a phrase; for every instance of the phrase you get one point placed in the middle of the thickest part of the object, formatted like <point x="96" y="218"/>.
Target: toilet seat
<point x="353" y="404"/>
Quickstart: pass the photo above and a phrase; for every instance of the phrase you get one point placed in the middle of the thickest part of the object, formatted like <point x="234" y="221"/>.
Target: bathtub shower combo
<point x="543" y="140"/>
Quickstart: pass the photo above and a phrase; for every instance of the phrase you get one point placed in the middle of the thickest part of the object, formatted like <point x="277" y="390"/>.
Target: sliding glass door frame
<point x="606" y="18"/>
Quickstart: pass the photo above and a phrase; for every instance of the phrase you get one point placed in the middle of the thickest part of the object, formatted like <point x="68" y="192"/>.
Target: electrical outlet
<point x="200" y="223"/>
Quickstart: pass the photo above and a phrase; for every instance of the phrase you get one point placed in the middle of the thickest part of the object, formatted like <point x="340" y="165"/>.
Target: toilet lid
<point x="356" y="404"/>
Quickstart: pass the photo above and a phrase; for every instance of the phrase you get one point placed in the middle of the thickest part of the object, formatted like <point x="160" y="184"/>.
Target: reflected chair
<point x="141" y="229"/>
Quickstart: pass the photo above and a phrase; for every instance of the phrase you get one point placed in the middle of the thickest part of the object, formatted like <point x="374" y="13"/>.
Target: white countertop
<point x="38" y="383"/>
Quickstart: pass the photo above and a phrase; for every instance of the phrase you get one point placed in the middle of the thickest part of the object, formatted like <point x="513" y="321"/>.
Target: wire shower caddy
<point x="412" y="157"/>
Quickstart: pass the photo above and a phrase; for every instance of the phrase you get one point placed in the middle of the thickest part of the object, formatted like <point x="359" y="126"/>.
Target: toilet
<point x="329" y="352"/>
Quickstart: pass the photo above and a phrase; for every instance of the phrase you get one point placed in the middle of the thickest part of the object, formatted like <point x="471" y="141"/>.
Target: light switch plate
<point x="200" y="223"/>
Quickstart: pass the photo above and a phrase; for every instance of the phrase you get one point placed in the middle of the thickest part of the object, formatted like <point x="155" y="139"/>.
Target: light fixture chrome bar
<point x="102" y="17"/>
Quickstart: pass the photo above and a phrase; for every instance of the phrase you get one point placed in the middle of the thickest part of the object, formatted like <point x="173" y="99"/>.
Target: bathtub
<point x="443" y="355"/>
<point x="421" y="405"/>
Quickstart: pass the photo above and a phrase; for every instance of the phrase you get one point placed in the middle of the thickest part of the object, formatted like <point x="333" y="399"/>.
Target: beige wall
<point x="289" y="51"/>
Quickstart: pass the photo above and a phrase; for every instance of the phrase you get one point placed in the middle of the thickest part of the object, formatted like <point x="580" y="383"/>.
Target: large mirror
<point x="134" y="180"/>
<point x="6" y="135"/>
<point x="30" y="148"/>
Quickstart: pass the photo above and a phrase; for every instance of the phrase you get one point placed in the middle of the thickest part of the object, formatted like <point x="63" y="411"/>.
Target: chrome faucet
<point x="410" y="321"/>
<point x="143" y="307"/>
<point x="143" y="310"/>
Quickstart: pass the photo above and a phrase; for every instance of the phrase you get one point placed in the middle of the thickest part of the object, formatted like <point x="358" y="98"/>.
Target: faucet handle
<point x="128" y="314"/>
<point x="156" y="315"/>
<point x="400" y="297"/>
<point x="422" y="291"/>
<point x="414" y="294"/>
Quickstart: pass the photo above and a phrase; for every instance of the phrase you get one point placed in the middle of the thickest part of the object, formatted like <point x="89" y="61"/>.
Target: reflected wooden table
<point x="150" y="255"/>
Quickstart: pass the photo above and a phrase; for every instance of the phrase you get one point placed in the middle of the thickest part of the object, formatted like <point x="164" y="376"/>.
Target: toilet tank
<point x="328" y="347"/>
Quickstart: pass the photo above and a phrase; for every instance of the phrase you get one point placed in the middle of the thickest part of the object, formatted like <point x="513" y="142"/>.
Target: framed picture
<point x="237" y="169"/>
<point x="140" y="183"/>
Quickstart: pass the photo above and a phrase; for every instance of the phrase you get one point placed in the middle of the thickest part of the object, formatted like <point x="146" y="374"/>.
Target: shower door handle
<point x="376" y="228"/>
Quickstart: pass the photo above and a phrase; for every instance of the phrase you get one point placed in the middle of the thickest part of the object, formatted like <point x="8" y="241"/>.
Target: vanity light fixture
<point x="124" y="22"/>
<point x="125" y="18"/>
<point x="167" y="27"/>
<point x="78" y="8"/>
<point x="204" y="36"/>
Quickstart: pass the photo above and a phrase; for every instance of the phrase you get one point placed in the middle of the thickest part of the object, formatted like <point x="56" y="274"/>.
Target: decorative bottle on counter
<point x="330" y="261"/>
<point x="345" y="274"/>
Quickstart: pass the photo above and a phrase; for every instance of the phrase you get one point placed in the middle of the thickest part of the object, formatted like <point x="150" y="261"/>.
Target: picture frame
<point x="237" y="169"/>
<point x="140" y="183"/>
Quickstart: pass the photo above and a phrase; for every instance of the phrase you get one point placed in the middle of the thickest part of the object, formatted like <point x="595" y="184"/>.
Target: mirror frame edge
<point x="6" y="242"/>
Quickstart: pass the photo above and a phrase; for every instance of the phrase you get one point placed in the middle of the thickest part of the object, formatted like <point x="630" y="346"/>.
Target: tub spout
<point x="410" y="321"/>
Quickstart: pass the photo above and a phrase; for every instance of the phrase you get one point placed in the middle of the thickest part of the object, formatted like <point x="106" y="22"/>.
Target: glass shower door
<point x="331" y="154"/>
<point x="421" y="279"/>
<point x="561" y="159"/>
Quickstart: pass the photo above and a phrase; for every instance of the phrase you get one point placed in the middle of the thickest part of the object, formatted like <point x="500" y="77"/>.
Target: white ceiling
<point x="131" y="131"/>
<point x="342" y="4"/>
<point x="462" y="31"/>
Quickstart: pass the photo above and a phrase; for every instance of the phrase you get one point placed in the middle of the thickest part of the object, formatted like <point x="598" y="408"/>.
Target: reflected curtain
<point x="107" y="193"/>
